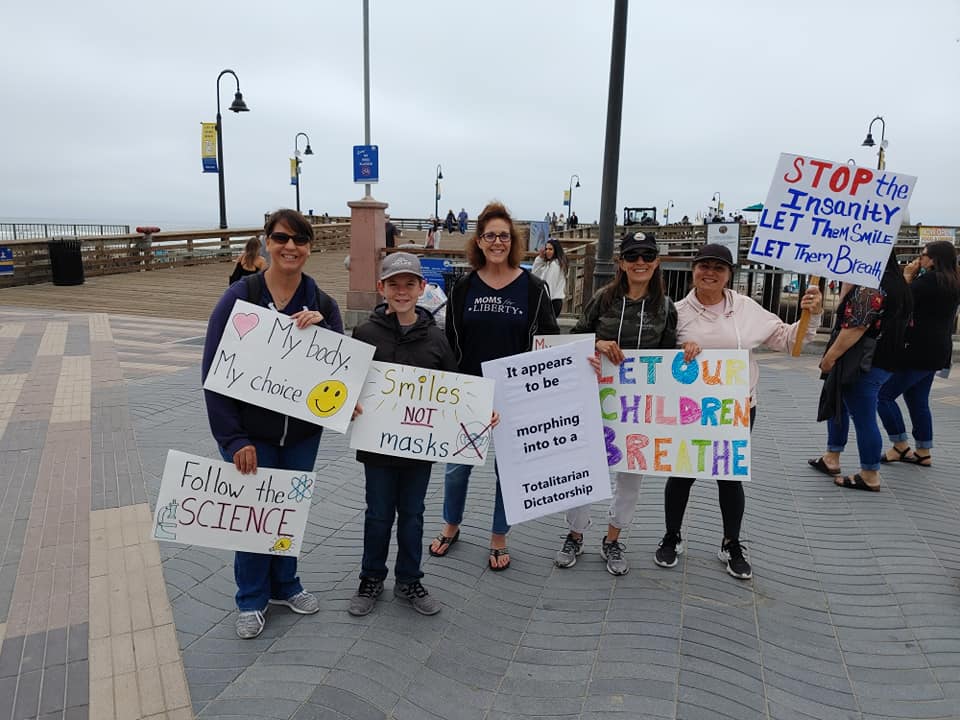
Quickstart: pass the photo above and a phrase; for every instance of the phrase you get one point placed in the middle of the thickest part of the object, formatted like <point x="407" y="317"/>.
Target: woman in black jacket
<point x="493" y="312"/>
<point x="935" y="286"/>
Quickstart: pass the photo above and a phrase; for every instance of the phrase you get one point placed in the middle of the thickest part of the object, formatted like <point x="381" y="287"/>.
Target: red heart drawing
<point x="244" y="323"/>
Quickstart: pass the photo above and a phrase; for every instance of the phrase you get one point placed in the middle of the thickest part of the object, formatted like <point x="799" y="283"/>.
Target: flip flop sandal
<point x="902" y="453"/>
<point x="495" y="553"/>
<point x="820" y="466"/>
<point x="856" y="483"/>
<point x="445" y="544"/>
<point x="919" y="460"/>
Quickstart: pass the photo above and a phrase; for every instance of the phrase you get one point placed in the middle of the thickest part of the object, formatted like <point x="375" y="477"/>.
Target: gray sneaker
<point x="303" y="603"/>
<point x="612" y="552"/>
<point x="572" y="548"/>
<point x="366" y="597"/>
<point x="417" y="595"/>
<point x="249" y="624"/>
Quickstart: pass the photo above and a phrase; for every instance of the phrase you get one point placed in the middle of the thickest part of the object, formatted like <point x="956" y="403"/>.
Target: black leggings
<point x="732" y="501"/>
<point x="557" y="305"/>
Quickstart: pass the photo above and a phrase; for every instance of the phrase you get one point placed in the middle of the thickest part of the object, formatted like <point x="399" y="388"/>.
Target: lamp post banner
<point x="831" y="219"/>
<point x="550" y="451"/>
<point x="208" y="146"/>
<point x="566" y="198"/>
<point x="294" y="180"/>
<point x="209" y="503"/>
<point x="312" y="374"/>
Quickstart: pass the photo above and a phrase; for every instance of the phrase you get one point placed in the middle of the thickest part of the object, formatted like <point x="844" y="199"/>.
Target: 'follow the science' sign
<point x="831" y="219"/>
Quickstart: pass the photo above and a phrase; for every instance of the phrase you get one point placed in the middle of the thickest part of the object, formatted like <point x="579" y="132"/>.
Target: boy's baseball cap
<point x="399" y="263"/>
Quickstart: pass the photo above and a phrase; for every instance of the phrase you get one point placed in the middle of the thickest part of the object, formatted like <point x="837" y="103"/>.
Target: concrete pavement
<point x="853" y="612"/>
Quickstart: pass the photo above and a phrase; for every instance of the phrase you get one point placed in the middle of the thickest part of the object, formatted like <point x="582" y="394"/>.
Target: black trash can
<point x="66" y="261"/>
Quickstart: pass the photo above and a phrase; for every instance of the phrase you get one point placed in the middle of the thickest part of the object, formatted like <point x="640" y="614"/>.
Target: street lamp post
<point x="666" y="212"/>
<point x="868" y="142"/>
<point x="296" y="157"/>
<point x="570" y="196"/>
<point x="716" y="197"/>
<point x="238" y="106"/>
<point x="436" y="194"/>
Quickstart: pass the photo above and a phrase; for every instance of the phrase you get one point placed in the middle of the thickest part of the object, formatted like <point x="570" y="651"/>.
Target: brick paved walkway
<point x="854" y="610"/>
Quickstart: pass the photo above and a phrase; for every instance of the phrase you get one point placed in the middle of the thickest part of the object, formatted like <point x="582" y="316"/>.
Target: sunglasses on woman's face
<point x="646" y="256"/>
<point x="283" y="238"/>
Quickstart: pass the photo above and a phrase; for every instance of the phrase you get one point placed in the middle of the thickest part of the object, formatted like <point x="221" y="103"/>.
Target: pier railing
<point x="136" y="252"/>
<point x="37" y="231"/>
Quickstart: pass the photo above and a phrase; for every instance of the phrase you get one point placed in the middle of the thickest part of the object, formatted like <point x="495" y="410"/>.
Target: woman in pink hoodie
<point x="713" y="317"/>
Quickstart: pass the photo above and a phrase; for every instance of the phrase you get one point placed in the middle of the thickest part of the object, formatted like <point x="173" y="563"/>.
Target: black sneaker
<point x="418" y="597"/>
<point x="668" y="549"/>
<point x="366" y="597"/>
<point x="731" y="553"/>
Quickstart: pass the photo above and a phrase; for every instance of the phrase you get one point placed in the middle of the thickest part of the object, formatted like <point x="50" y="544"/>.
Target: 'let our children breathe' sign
<point x="312" y="374"/>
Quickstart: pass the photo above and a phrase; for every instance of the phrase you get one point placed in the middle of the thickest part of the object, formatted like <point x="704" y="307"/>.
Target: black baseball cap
<point x="638" y="242"/>
<point x="714" y="251"/>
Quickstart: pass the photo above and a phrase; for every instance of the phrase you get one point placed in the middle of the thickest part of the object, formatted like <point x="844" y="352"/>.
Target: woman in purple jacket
<point x="250" y="436"/>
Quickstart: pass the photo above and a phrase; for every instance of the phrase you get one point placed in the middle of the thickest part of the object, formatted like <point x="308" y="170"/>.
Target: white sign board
<point x="726" y="234"/>
<point x="548" y="341"/>
<point x="424" y="414"/>
<point x="312" y="374"/>
<point x="662" y="416"/>
<point x="831" y="219"/>
<point x="209" y="503"/>
<point x="550" y="451"/>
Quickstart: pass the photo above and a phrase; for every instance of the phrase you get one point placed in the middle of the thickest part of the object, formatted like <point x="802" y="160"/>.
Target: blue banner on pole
<point x="6" y="261"/>
<point x="366" y="163"/>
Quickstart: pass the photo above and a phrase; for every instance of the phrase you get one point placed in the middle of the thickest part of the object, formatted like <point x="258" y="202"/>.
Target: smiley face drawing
<point x="327" y="398"/>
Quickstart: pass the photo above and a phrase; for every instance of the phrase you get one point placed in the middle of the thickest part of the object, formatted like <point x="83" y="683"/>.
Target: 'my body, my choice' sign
<point x="311" y="374"/>
<point x="662" y="416"/>
<point x="831" y="219"/>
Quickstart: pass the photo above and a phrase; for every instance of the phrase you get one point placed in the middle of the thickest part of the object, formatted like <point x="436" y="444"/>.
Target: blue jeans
<point x="914" y="385"/>
<point x="860" y="402"/>
<point x="394" y="491"/>
<point x="262" y="577"/>
<point x="455" y="482"/>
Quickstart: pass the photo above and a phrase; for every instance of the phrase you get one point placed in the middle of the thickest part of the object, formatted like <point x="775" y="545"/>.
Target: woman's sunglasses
<point x="646" y="256"/>
<point x="283" y="238"/>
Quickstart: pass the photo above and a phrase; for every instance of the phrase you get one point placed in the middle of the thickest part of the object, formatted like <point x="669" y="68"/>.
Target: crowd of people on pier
<point x="886" y="342"/>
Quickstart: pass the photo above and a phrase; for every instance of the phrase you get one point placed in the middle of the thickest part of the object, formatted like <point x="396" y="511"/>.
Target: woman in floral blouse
<point x="864" y="316"/>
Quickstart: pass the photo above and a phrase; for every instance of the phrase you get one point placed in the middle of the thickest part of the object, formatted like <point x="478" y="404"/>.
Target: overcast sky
<point x="101" y="102"/>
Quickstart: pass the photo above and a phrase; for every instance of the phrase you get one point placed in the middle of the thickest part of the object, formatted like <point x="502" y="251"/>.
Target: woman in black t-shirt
<point x="493" y="312"/>
<point x="935" y="286"/>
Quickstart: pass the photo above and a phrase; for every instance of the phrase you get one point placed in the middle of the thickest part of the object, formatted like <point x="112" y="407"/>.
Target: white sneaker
<point x="249" y="624"/>
<point x="303" y="603"/>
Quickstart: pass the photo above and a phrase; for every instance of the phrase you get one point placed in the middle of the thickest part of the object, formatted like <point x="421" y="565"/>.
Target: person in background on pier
<point x="402" y="333"/>
<point x="450" y="222"/>
<point x="253" y="437"/>
<point x="390" y="233"/>
<point x="493" y="312"/>
<point x="714" y="317"/>
<point x="551" y="267"/>
<point x="861" y="356"/>
<point x="250" y="262"/>
<point x="462" y="221"/>
<point x="631" y="312"/>
<point x="573" y="221"/>
<point x="934" y="282"/>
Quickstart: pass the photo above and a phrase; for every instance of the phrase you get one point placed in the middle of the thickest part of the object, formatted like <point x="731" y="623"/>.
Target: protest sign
<point x="662" y="416"/>
<point x="549" y="441"/>
<point x="209" y="503"/>
<point x="424" y="414"/>
<point x="541" y="342"/>
<point x="312" y="374"/>
<point x="831" y="219"/>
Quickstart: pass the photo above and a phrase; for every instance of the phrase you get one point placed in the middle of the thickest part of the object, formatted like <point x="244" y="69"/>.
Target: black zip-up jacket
<point x="541" y="321"/>
<point x="422" y="345"/>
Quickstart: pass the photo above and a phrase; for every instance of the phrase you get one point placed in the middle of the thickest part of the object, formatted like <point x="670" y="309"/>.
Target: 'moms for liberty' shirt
<point x="495" y="322"/>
